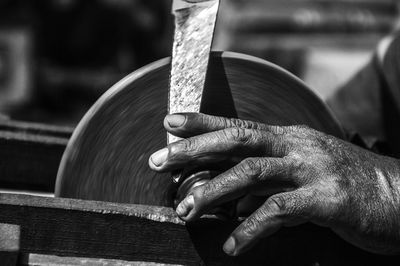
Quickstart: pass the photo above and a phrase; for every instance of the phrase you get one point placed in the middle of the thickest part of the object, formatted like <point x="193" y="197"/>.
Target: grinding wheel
<point x="107" y="157"/>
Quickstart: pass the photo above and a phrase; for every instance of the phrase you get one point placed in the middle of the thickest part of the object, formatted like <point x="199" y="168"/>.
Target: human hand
<point x="312" y="176"/>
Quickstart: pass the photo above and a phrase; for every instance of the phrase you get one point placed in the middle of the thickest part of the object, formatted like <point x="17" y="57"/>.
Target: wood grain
<point x="67" y="230"/>
<point x="65" y="227"/>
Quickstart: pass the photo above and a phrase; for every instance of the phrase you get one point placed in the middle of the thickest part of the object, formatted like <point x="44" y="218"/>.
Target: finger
<point x="192" y="124"/>
<point x="285" y="209"/>
<point x="228" y="144"/>
<point x="251" y="175"/>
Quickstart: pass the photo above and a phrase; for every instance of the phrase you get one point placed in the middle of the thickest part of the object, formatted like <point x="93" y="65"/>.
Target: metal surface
<point x="194" y="29"/>
<point x="107" y="156"/>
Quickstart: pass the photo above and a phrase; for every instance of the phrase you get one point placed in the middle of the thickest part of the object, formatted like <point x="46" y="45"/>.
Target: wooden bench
<point x="37" y="230"/>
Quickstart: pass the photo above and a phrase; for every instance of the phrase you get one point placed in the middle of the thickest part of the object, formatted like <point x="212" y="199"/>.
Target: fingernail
<point x="159" y="157"/>
<point x="185" y="206"/>
<point x="176" y="120"/>
<point x="229" y="246"/>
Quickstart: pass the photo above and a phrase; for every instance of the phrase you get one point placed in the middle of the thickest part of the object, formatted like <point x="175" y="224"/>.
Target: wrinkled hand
<point x="305" y="176"/>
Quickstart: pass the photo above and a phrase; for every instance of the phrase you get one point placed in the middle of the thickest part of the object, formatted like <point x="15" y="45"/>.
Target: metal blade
<point x="194" y="29"/>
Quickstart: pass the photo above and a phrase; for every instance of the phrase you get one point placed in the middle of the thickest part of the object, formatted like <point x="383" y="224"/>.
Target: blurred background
<point x="58" y="56"/>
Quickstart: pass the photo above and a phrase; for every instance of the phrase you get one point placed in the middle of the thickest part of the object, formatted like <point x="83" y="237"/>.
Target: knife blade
<point x="194" y="29"/>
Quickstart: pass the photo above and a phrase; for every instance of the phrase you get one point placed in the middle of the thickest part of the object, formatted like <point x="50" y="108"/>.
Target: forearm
<point x="374" y="215"/>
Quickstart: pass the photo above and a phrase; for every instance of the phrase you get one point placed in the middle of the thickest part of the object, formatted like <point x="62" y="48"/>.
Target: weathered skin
<point x="304" y="176"/>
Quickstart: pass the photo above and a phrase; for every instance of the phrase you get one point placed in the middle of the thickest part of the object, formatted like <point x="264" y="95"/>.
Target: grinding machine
<point x="106" y="158"/>
<point x="109" y="204"/>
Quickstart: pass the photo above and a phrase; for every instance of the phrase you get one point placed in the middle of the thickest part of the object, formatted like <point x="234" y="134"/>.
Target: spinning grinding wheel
<point x="107" y="156"/>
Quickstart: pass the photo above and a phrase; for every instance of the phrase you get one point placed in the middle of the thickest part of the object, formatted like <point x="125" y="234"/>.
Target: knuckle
<point x="292" y="205"/>
<point x="279" y="204"/>
<point x="296" y="162"/>
<point x="238" y="171"/>
<point x="252" y="168"/>
<point x="335" y="197"/>
<point x="224" y="122"/>
<point x="185" y="144"/>
<point x="201" y="198"/>
<point x="221" y="122"/>
<point x="238" y="134"/>
<point x="244" y="123"/>
<point x="204" y="119"/>
<point x="250" y="225"/>
<point x="233" y="122"/>
<point x="247" y="124"/>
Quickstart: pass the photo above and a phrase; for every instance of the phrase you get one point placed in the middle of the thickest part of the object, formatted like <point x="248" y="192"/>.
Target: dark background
<point x="58" y="56"/>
